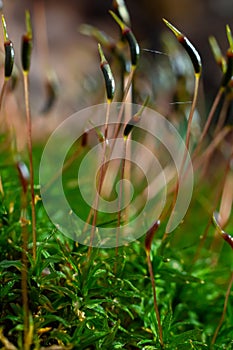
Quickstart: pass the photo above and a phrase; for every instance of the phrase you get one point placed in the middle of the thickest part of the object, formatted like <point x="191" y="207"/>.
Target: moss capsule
<point x="193" y="54"/>
<point x="130" y="38"/>
<point x="135" y="119"/>
<point x="129" y="126"/>
<point x="229" y="70"/>
<point x="217" y="53"/>
<point x="133" y="45"/>
<point x="122" y="11"/>
<point x="108" y="76"/>
<point x="26" y="53"/>
<point x="9" y="51"/>
<point x="188" y="46"/>
<point x="228" y="238"/>
<point x="26" y="49"/>
<point x="9" y="58"/>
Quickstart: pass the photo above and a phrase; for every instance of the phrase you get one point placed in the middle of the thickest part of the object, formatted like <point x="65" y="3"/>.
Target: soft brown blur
<point x="74" y="57"/>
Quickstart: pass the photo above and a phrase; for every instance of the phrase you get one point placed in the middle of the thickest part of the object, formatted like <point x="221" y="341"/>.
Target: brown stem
<point x="120" y="196"/>
<point x="192" y="110"/>
<point x="209" y="119"/>
<point x="187" y="141"/>
<point x="116" y="132"/>
<point x="223" y="114"/>
<point x="152" y="278"/>
<point x="205" y="157"/>
<point x="127" y="87"/>
<point x="104" y="169"/>
<point x="215" y="202"/>
<point x="24" y="271"/>
<point x="224" y="311"/>
<point x="94" y="211"/>
<point x="29" y="142"/>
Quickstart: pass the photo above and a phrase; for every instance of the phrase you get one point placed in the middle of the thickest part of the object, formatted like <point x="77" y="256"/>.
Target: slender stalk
<point x="193" y="106"/>
<point x="120" y="197"/>
<point x="107" y="121"/>
<point x="152" y="278"/>
<point x="94" y="211"/>
<point x="211" y="114"/>
<point x="215" y="202"/>
<point x="110" y="90"/>
<point x="204" y="159"/>
<point x="104" y="169"/>
<point x="197" y="66"/>
<point x="24" y="274"/>
<point x="127" y="176"/>
<point x="126" y="169"/>
<point x="29" y="143"/>
<point x="222" y="115"/>
<point x="187" y="141"/>
<point x="120" y="115"/>
<point x="134" y="48"/>
<point x="223" y="312"/>
<point x="221" y="219"/>
<point x="24" y="177"/>
<point x="225" y="81"/>
<point x="116" y="132"/>
<point x="209" y="119"/>
<point x="148" y="244"/>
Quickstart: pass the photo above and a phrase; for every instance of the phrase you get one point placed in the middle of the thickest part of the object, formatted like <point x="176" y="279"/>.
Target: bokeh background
<point x="59" y="45"/>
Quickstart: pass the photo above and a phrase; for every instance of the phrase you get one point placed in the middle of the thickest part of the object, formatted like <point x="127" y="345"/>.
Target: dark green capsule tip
<point x="109" y="81"/>
<point x="128" y="128"/>
<point x="188" y="46"/>
<point x="131" y="124"/>
<point x="9" y="58"/>
<point x="108" y="76"/>
<point x="135" y="119"/>
<point x="26" y="49"/>
<point x="26" y="52"/>
<point x="122" y="11"/>
<point x="133" y="45"/>
<point x="129" y="36"/>
<point x="229" y="70"/>
<point x="193" y="54"/>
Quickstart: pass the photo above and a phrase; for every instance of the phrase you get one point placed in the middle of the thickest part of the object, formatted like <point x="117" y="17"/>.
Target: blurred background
<point x="61" y="48"/>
